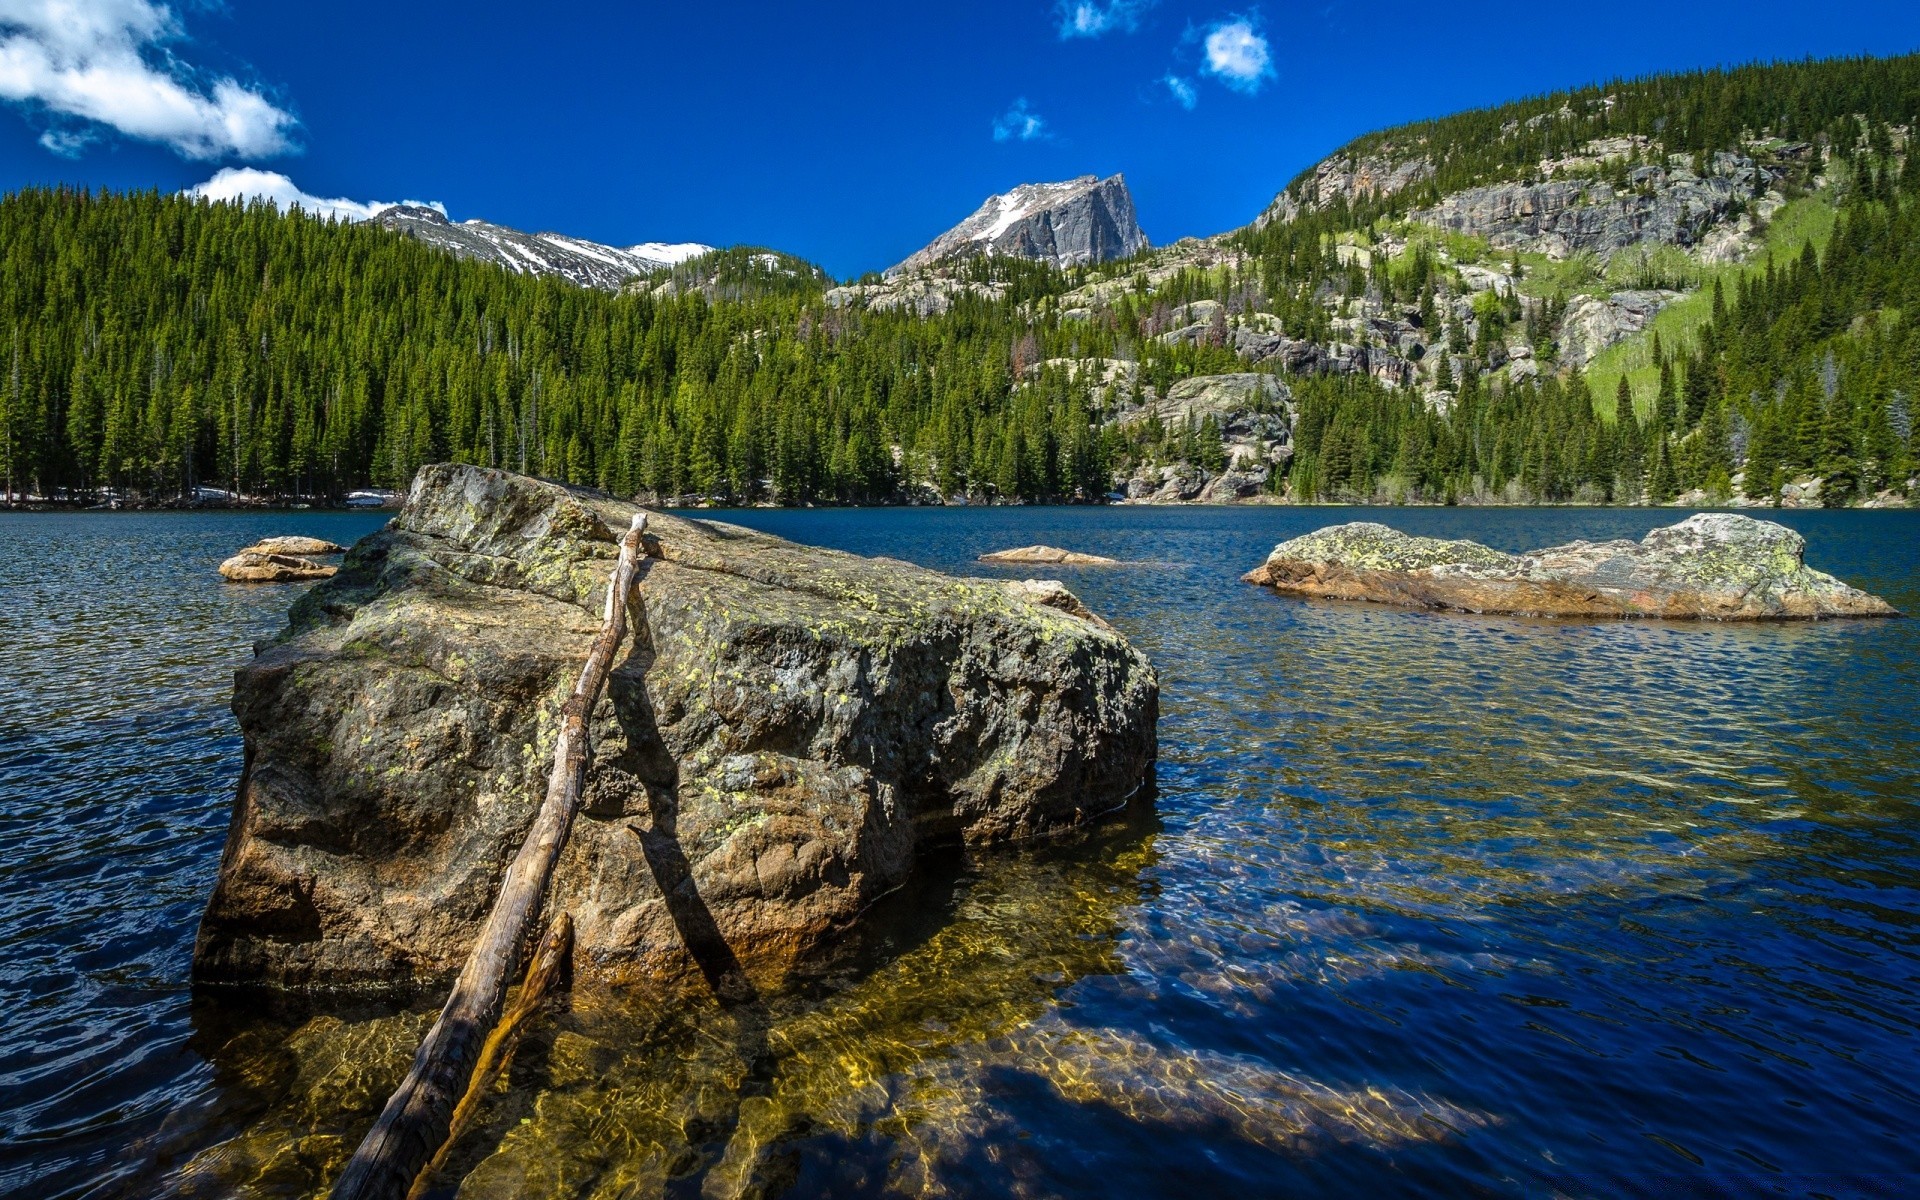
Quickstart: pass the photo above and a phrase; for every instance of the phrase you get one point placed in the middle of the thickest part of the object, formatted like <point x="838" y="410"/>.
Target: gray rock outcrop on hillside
<point x="1255" y="415"/>
<point x="1561" y="218"/>
<point x="1593" y="323"/>
<point x="787" y="729"/>
<point x="1711" y="566"/>
<point x="1350" y="178"/>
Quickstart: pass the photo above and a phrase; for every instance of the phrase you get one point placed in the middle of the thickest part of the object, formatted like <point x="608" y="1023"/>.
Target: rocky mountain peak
<point x="411" y="212"/>
<point x="1083" y="220"/>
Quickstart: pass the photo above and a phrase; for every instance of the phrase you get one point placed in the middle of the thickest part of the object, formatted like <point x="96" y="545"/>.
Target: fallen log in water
<point x="415" y="1124"/>
<point x="498" y="1051"/>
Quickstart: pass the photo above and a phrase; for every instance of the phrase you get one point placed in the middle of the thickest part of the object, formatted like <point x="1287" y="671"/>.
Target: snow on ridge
<point x="669" y="254"/>
<point x="1012" y="212"/>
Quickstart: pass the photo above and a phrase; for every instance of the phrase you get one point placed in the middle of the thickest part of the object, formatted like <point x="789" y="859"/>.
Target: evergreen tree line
<point x="154" y="345"/>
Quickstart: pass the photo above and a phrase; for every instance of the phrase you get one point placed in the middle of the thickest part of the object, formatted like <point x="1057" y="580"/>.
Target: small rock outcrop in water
<point x="256" y="566"/>
<point x="788" y="729"/>
<point x="280" y="560"/>
<point x="294" y="544"/>
<point x="1048" y="556"/>
<point x="1713" y="566"/>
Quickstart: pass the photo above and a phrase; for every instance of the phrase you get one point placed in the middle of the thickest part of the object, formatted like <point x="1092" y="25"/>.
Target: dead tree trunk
<point x="414" y="1124"/>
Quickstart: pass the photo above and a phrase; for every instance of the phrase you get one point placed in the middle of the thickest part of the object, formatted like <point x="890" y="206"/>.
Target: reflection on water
<point x="1428" y="903"/>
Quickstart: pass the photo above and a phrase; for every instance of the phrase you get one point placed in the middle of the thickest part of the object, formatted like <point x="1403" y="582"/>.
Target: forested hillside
<point x="1703" y="285"/>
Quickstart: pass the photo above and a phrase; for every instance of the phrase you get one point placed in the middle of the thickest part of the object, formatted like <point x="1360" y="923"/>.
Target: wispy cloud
<point x="1237" y="54"/>
<point x="1020" y="124"/>
<point x="1183" y="92"/>
<point x="1088" y="19"/>
<point x="246" y="183"/>
<point x="86" y="63"/>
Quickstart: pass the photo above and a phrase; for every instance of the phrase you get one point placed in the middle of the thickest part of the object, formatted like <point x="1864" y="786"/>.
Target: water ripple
<point x="1428" y="904"/>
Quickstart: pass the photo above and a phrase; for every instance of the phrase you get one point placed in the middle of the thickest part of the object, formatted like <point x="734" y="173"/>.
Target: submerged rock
<point x="256" y="566"/>
<point x="786" y="729"/>
<point x="1713" y="566"/>
<point x="1048" y="555"/>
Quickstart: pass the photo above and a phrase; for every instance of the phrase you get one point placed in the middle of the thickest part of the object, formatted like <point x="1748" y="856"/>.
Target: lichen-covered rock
<point x="786" y="729"/>
<point x="1713" y="566"/>
<point x="256" y="566"/>
<point x="1048" y="556"/>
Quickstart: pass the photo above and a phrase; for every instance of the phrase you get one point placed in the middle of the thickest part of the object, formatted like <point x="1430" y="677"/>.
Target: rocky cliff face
<point x="1561" y="218"/>
<point x="1348" y="177"/>
<point x="1254" y="414"/>
<point x="787" y="730"/>
<point x="1084" y="220"/>
<point x="1714" y="566"/>
<point x="575" y="260"/>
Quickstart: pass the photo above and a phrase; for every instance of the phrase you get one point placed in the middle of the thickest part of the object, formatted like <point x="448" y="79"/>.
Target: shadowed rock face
<point x="786" y="728"/>
<point x="1713" y="566"/>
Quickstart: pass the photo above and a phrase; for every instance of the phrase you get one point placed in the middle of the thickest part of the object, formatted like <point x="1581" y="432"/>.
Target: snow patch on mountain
<point x="576" y="260"/>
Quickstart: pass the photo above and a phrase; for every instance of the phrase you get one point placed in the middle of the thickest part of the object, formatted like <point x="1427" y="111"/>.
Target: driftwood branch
<point x="416" y="1120"/>
<point x="501" y="1043"/>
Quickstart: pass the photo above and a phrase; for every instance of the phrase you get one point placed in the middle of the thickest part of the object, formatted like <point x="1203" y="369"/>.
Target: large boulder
<point x="1714" y="566"/>
<point x="786" y="729"/>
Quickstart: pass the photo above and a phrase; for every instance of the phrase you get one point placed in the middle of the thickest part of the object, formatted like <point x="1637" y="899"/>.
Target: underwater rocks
<point x="789" y="728"/>
<point x="1713" y="566"/>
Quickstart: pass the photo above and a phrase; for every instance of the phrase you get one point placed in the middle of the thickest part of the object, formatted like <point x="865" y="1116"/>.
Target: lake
<point x="1427" y="904"/>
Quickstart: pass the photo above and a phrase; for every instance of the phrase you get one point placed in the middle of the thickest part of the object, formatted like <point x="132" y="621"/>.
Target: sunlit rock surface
<point x="785" y="730"/>
<point x="256" y="566"/>
<point x="1047" y="556"/>
<point x="1713" y="566"/>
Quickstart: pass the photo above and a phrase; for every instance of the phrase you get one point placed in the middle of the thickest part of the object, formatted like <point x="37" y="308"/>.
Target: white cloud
<point x="1088" y="19"/>
<point x="1182" y="91"/>
<point x="1019" y="123"/>
<point x="246" y="183"/>
<point x="106" y="62"/>
<point x="1237" y="54"/>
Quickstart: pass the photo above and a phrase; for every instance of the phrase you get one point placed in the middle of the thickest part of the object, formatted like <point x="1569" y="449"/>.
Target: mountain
<point x="575" y="260"/>
<point x="1699" y="288"/>
<point x="1084" y="220"/>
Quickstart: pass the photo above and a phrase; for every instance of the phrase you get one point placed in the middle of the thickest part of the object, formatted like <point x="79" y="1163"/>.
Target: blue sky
<point x="850" y="134"/>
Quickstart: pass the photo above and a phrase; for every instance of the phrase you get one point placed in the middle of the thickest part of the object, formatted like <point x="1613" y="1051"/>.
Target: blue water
<point x="1427" y="904"/>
